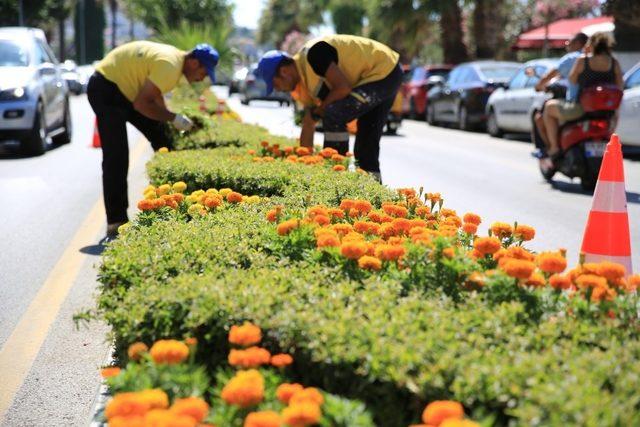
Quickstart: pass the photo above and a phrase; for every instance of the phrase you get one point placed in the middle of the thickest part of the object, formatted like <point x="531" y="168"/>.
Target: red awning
<point x="559" y="32"/>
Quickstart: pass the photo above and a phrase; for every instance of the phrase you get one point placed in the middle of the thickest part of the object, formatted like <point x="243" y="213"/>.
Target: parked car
<point x="629" y="122"/>
<point x="414" y="90"/>
<point x="462" y="99"/>
<point x="237" y="79"/>
<point x="253" y="88"/>
<point x="511" y="109"/>
<point x="70" y="75"/>
<point x="34" y="98"/>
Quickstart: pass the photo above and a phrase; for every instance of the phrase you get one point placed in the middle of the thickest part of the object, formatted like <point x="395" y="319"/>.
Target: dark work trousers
<point x="113" y="110"/>
<point x="370" y="104"/>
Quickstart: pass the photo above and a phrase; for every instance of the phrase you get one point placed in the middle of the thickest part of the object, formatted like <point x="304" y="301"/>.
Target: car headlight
<point x="13" y="94"/>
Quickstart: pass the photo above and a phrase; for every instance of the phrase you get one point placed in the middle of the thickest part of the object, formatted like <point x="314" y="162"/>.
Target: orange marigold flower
<point x="487" y="245"/>
<point x="602" y="293"/>
<point x="263" y="419"/>
<point x="281" y="360"/>
<point x="476" y="280"/>
<point x="501" y="229"/>
<point x="326" y="240"/>
<point x="472" y="218"/>
<point x="286" y="227"/>
<point x="633" y="282"/>
<point x="193" y="407"/>
<point x="126" y="405"/>
<point x="536" y="280"/>
<point x="301" y="414"/>
<point x="369" y="263"/>
<point x="164" y="417"/>
<point x="178" y="197"/>
<point x="401" y="225"/>
<point x="438" y="411"/>
<point x="110" y="371"/>
<point x="559" y="282"/>
<point x="265" y="144"/>
<point x="518" y="252"/>
<point x="212" y="201"/>
<point x="251" y="152"/>
<point x="286" y="390"/>
<point x="612" y="271"/>
<point x="395" y="210"/>
<point x="342" y="229"/>
<point x="423" y="211"/>
<point x="288" y="150"/>
<point x="130" y="421"/>
<point x="169" y="352"/>
<point x="245" y="335"/>
<point x="309" y="394"/>
<point x="353" y="249"/>
<point x="146" y="204"/>
<point x="234" y="197"/>
<point x="517" y="268"/>
<point x="272" y="215"/>
<point x="338" y="168"/>
<point x="524" y="232"/>
<point x="390" y="252"/>
<point x="387" y="230"/>
<point x="433" y="197"/>
<point x="362" y="206"/>
<point x="155" y="398"/>
<point x="551" y="262"/>
<point x="448" y="253"/>
<point x="303" y="151"/>
<point x="347" y="204"/>
<point x="336" y="213"/>
<point x="136" y="350"/>
<point x="470" y="228"/>
<point x="317" y="210"/>
<point x="251" y="357"/>
<point x="453" y="220"/>
<point x="454" y="422"/>
<point x="322" y="220"/>
<point x="245" y="389"/>
<point x="591" y="281"/>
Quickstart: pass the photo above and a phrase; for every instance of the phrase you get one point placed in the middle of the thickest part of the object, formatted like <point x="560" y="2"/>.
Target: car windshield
<point x="12" y="54"/>
<point x="439" y="72"/>
<point x="499" y="72"/>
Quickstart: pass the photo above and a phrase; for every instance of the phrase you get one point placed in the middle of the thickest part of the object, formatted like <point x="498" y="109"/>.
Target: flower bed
<point x="388" y="298"/>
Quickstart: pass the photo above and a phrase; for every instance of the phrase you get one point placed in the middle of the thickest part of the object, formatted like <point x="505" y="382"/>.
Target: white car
<point x="629" y="122"/>
<point x="511" y="109"/>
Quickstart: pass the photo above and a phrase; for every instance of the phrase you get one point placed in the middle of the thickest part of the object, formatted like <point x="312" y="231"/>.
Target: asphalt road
<point x="49" y="247"/>
<point x="494" y="177"/>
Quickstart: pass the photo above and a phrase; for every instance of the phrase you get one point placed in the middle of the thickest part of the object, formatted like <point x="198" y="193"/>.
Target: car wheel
<point x="492" y="125"/>
<point x="463" y="118"/>
<point x="65" y="137"/>
<point x="36" y="143"/>
<point x="244" y="101"/>
<point x="431" y="115"/>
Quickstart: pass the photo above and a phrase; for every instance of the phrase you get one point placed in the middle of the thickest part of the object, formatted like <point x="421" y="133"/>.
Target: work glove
<point x="182" y="122"/>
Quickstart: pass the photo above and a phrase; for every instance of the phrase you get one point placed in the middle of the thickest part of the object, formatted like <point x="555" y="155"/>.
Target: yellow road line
<point x="22" y="347"/>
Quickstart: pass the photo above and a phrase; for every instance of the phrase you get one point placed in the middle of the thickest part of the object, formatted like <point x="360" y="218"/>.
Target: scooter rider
<point x="339" y="78"/>
<point x="128" y="86"/>
<point x="574" y="48"/>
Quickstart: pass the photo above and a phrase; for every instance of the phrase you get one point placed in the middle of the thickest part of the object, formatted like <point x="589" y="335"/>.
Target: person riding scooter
<point x="596" y="67"/>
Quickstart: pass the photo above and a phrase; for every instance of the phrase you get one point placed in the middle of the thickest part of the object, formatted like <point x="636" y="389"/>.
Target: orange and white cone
<point x="606" y="237"/>
<point x="95" y="143"/>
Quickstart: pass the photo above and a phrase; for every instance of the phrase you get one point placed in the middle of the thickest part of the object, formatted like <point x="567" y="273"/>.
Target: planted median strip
<point x="388" y="298"/>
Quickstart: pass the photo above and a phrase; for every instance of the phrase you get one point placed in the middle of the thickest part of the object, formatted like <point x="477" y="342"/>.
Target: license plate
<point x="594" y="149"/>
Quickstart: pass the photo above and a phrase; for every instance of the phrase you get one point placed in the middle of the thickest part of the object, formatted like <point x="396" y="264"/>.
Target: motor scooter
<point x="582" y="141"/>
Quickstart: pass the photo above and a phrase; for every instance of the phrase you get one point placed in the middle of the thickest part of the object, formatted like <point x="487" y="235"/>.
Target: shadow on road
<point x="575" y="188"/>
<point x="10" y="150"/>
<point x="97" y="249"/>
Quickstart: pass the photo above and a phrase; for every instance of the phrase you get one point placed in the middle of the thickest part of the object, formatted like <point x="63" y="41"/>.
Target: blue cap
<point x="208" y="57"/>
<point x="268" y="65"/>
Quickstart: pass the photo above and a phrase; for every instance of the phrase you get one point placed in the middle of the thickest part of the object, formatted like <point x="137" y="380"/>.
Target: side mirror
<point x="47" y="69"/>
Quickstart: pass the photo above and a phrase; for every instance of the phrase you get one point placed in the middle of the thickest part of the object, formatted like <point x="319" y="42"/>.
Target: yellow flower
<point x="163" y="150"/>
<point x="225" y="191"/>
<point x="179" y="187"/>
<point x="163" y="189"/>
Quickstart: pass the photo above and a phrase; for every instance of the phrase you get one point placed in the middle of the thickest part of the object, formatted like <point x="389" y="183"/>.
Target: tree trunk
<point x="488" y="18"/>
<point x="114" y="25"/>
<point x="61" y="34"/>
<point x="454" y="49"/>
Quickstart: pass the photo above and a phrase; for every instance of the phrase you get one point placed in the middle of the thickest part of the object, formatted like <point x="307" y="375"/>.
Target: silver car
<point x="629" y="122"/>
<point x="511" y="109"/>
<point x="34" y="98"/>
<point x="253" y="88"/>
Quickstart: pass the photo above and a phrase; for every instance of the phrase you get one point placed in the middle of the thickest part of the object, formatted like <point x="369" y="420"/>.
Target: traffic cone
<point x="203" y="103"/>
<point x="606" y="237"/>
<point x="95" y="143"/>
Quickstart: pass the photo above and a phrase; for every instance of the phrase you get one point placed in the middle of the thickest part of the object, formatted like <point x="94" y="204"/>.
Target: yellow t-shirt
<point x="129" y="65"/>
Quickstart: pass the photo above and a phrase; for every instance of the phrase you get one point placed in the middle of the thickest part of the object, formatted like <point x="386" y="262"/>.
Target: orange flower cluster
<point x="302" y="155"/>
<point x="445" y="413"/>
<point x="136" y="350"/>
<point x="281" y="360"/>
<point x="246" y="335"/>
<point x="251" y="357"/>
<point x="151" y="408"/>
<point x="245" y="389"/>
<point x="263" y="419"/>
<point x="169" y="352"/>
<point x="303" y="405"/>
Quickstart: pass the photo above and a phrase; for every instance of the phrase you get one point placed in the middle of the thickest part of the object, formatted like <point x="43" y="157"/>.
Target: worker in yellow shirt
<point x="339" y="78"/>
<point x="128" y="86"/>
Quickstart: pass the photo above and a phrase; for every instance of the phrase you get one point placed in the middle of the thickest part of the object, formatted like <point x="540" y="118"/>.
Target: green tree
<point x="449" y="14"/>
<point x="281" y="17"/>
<point x="626" y="16"/>
<point x="89" y="36"/>
<point x="347" y="16"/>
<point x="153" y="13"/>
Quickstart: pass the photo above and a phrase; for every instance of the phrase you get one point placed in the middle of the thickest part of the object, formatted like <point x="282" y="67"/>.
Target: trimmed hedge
<point x="366" y="338"/>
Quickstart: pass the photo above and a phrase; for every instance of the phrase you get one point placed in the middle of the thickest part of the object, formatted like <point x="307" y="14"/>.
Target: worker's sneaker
<point x="377" y="176"/>
<point x="112" y="229"/>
